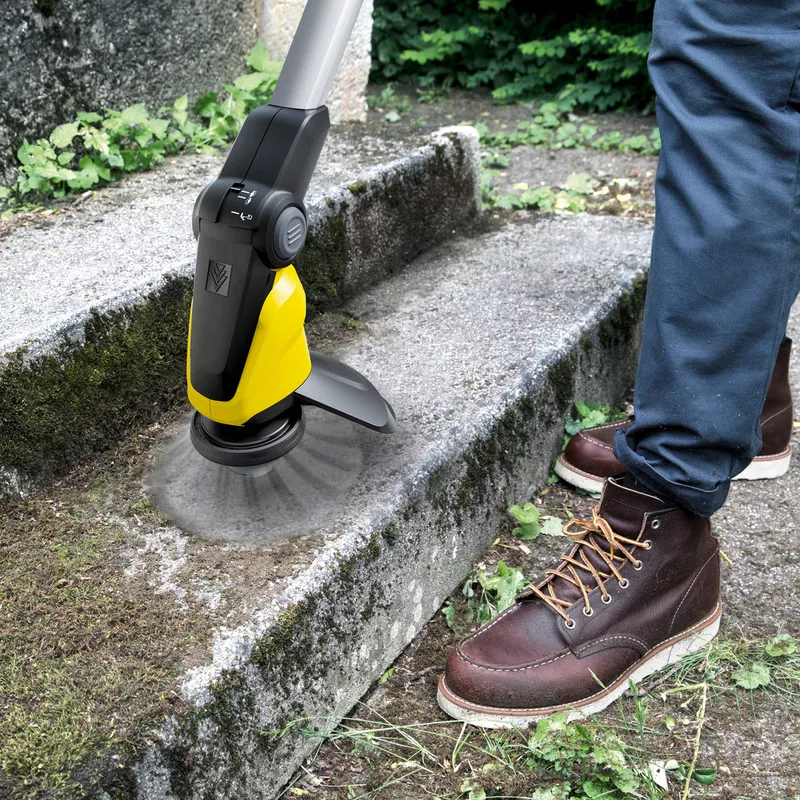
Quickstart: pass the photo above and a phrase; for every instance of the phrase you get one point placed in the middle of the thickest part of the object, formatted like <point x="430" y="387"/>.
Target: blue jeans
<point x="725" y="264"/>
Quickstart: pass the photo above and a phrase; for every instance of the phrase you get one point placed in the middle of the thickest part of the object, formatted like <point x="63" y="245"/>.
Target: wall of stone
<point x="62" y="56"/>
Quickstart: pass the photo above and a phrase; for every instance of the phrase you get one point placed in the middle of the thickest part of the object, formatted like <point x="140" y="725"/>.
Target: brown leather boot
<point x="589" y="459"/>
<point x="638" y="590"/>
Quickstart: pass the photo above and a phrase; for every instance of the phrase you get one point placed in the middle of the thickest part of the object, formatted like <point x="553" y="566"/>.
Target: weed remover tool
<point x="266" y="407"/>
<point x="249" y="368"/>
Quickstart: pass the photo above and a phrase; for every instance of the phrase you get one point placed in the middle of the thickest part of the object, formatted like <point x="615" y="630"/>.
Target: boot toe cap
<point x="591" y="451"/>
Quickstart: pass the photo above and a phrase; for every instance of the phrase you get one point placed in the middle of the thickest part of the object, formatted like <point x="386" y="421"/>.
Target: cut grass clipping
<point x="647" y="745"/>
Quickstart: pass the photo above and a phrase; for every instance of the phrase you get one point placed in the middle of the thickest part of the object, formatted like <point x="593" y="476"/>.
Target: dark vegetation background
<point x="590" y="54"/>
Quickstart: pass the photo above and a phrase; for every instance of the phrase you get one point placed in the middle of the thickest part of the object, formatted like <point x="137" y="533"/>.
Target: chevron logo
<point x="218" y="280"/>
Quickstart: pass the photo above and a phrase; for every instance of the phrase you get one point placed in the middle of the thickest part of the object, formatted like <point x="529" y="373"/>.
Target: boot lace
<point x="588" y="535"/>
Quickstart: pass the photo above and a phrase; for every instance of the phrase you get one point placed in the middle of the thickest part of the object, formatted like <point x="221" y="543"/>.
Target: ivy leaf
<point x="88" y="117"/>
<point x="158" y="127"/>
<point x="4" y="192"/>
<point x="205" y="105"/>
<point x="114" y="124"/>
<point x="143" y="138"/>
<point x="528" y="518"/>
<point x="573" y="426"/>
<point x="97" y="140"/>
<point x="258" y="58"/>
<point x="552" y="526"/>
<point x="250" y="82"/>
<point x="63" y="135"/>
<point x="48" y="171"/>
<point x="509" y="201"/>
<point x="130" y="161"/>
<point x="115" y="158"/>
<point x="135" y="115"/>
<point x="782" y="645"/>
<point x="182" y="103"/>
<point x="24" y="154"/>
<point x="752" y="678"/>
<point x="65" y="157"/>
<point x="580" y="182"/>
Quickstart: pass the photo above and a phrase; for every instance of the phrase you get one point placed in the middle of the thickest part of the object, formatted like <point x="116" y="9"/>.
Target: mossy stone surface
<point x="59" y="408"/>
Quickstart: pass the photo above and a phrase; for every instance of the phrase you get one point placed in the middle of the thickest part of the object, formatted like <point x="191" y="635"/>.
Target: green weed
<point x="731" y="665"/>
<point x="487" y="595"/>
<point x="528" y="518"/>
<point x="586" y="415"/>
<point x="554" y="128"/>
<point x="629" y="751"/>
<point x="391" y="105"/>
<point x="578" y="761"/>
<point x="589" y="415"/>
<point x="593" y="55"/>
<point x="532" y="524"/>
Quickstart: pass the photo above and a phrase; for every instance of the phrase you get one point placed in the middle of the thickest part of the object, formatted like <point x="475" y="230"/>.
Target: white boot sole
<point x="760" y="468"/>
<point x="673" y="650"/>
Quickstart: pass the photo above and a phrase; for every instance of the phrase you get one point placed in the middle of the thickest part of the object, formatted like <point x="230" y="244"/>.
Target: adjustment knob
<point x="290" y="233"/>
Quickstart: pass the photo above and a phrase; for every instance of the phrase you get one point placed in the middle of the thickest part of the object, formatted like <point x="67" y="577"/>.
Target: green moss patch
<point x="62" y="407"/>
<point x="88" y="658"/>
<point x="620" y="326"/>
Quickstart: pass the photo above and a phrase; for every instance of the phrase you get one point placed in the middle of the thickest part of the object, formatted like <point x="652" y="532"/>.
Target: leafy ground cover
<point x="518" y="144"/>
<point x="94" y="149"/>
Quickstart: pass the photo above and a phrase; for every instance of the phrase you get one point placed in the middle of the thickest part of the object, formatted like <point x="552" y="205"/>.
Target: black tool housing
<point x="235" y="218"/>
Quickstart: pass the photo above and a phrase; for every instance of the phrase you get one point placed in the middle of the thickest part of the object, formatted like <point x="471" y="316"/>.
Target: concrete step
<point x="481" y="345"/>
<point x="93" y="315"/>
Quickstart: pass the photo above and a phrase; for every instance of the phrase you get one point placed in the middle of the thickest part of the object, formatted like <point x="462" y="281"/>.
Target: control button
<point x="290" y="233"/>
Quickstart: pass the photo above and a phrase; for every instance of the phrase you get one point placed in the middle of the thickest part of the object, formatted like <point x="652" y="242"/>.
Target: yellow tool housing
<point x="278" y="362"/>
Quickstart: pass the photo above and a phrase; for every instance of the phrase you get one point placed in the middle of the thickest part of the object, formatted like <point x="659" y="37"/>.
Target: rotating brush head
<point x="247" y="449"/>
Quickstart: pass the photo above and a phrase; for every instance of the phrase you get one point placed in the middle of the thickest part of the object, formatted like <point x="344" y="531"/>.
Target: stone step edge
<point x="225" y="746"/>
<point x="121" y="363"/>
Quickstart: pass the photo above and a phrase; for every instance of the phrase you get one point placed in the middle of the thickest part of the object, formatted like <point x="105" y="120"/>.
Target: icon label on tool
<point x="247" y="196"/>
<point x="244" y="217"/>
<point x="219" y="278"/>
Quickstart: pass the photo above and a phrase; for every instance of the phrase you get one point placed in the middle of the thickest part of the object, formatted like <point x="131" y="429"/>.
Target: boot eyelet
<point x="567" y="624"/>
<point x="638" y="565"/>
<point x="607" y="599"/>
<point x="624" y="583"/>
<point x="588" y="613"/>
<point x="655" y="524"/>
<point x="648" y="544"/>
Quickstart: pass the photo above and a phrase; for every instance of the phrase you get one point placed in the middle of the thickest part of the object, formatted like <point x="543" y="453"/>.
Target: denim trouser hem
<point x="703" y="502"/>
